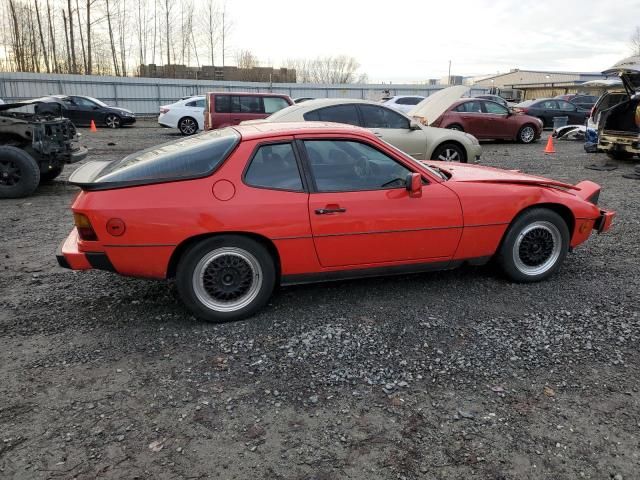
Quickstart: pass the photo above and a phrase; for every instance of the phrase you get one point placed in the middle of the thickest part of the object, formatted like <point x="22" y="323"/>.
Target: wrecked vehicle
<point x="33" y="148"/>
<point x="619" y="127"/>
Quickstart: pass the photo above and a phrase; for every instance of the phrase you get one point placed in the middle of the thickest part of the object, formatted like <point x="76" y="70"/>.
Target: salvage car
<point x="546" y="109"/>
<point x="187" y="115"/>
<point x="33" y="148"/>
<point x="234" y="212"/>
<point x="485" y="119"/>
<point x="81" y="110"/>
<point x="392" y="126"/>
<point x="619" y="126"/>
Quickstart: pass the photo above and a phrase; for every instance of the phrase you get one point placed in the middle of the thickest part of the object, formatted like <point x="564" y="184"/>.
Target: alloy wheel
<point x="537" y="248"/>
<point x="449" y="155"/>
<point x="188" y="126"/>
<point x="527" y="134"/>
<point x="227" y="279"/>
<point x="112" y="121"/>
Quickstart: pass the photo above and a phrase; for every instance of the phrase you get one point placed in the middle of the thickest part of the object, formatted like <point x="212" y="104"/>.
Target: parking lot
<point x="457" y="375"/>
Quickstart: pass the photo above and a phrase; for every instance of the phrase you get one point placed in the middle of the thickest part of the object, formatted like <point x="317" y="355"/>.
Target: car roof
<point x="256" y="131"/>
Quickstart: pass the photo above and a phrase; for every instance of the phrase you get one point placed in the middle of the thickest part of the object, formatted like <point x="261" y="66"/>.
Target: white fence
<point x="145" y="95"/>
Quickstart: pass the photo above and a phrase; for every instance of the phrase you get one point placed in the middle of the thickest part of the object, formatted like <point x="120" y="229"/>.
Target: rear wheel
<point x="19" y="173"/>
<point x="449" y="152"/>
<point x="527" y="134"/>
<point x="535" y="246"/>
<point x="226" y="278"/>
<point x="50" y="174"/>
<point x="187" y="126"/>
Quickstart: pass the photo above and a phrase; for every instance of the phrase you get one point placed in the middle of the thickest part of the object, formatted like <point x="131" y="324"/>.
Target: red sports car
<point x="485" y="119"/>
<point x="231" y="213"/>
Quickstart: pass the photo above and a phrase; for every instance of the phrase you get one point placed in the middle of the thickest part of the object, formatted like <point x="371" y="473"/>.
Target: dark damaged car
<point x="34" y="148"/>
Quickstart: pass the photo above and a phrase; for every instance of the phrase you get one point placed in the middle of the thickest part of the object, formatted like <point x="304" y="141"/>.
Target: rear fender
<point x="588" y="191"/>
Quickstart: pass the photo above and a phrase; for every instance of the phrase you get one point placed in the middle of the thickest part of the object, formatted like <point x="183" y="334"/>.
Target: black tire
<point x="526" y="134"/>
<point x="456" y="127"/>
<point x="450" y="152"/>
<point x="535" y="246"/>
<point x="19" y="173"/>
<point x="188" y="126"/>
<point x="619" y="155"/>
<point x="50" y="174"/>
<point x="226" y="262"/>
<point x="113" y="121"/>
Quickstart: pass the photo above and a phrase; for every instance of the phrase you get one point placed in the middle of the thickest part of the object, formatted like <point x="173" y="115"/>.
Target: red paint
<point x="461" y="218"/>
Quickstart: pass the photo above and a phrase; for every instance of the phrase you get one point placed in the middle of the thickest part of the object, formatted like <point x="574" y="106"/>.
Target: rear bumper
<point x="621" y="143"/>
<point x="604" y="221"/>
<point x="70" y="257"/>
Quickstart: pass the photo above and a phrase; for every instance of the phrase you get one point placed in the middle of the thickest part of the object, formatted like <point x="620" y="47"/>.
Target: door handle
<point x="325" y="211"/>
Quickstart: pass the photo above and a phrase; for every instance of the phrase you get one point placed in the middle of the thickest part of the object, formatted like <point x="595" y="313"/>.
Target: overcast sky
<point x="413" y="40"/>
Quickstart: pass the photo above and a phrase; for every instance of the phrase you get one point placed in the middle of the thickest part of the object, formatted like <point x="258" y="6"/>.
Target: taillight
<point x="164" y="110"/>
<point x="83" y="225"/>
<point x="520" y="110"/>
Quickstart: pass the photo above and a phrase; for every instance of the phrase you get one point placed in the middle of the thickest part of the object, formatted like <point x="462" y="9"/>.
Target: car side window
<point x="83" y="102"/>
<point x="246" y="104"/>
<point x="469" y="107"/>
<point x="548" y="105"/>
<point x="222" y="103"/>
<point x="339" y="114"/>
<point x="494" y="108"/>
<point x="196" y="103"/>
<point x="346" y="166"/>
<point x="274" y="166"/>
<point x="273" y="104"/>
<point x="190" y="104"/>
<point x="380" y="117"/>
<point x="566" y="106"/>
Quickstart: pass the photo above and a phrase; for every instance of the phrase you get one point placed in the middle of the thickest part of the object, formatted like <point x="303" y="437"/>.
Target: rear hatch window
<point x="189" y="158"/>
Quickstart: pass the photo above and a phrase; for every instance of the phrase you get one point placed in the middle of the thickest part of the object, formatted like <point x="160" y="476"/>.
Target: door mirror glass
<point x="414" y="185"/>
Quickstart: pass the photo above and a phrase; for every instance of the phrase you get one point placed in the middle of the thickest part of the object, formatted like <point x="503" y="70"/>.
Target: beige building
<point x="529" y="84"/>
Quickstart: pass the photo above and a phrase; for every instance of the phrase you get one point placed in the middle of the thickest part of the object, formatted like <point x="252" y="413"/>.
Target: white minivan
<point x="186" y="115"/>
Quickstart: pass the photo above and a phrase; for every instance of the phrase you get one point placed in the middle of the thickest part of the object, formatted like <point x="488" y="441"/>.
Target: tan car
<point x="619" y="126"/>
<point x="419" y="141"/>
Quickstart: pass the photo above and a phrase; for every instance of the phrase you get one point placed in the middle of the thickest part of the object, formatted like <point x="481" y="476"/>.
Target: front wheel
<point x="535" y="246"/>
<point x="527" y="134"/>
<point x="112" y="121"/>
<point x="449" y="152"/>
<point x="19" y="173"/>
<point x="226" y="278"/>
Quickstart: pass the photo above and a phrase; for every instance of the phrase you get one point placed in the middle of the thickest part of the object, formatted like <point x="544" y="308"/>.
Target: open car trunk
<point x="624" y="119"/>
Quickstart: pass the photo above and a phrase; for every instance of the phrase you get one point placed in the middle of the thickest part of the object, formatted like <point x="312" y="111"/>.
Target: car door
<point x="246" y="107"/>
<point x="85" y="111"/>
<point x="497" y="122"/>
<point x="548" y="109"/>
<point x="570" y="110"/>
<point x="361" y="212"/>
<point x="473" y="118"/>
<point x="220" y="111"/>
<point x="395" y="129"/>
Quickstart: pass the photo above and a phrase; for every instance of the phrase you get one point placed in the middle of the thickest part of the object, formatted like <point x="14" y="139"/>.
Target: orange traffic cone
<point x="93" y="126"/>
<point x="549" y="148"/>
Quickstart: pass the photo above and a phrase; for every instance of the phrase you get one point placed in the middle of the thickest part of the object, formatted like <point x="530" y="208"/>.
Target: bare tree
<point x="52" y="39"/>
<point x="74" y="65"/>
<point x="168" y="4"/>
<point x="42" y="42"/>
<point x="338" y="69"/>
<point x="634" y="42"/>
<point x="111" y="39"/>
<point x="84" y="53"/>
<point x="211" y="26"/>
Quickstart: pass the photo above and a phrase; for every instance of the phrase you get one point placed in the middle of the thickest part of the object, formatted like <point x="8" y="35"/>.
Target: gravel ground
<point x="452" y="375"/>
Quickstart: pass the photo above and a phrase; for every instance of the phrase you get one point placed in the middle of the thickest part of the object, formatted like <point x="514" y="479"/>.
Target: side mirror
<point x="413" y="125"/>
<point x="414" y="185"/>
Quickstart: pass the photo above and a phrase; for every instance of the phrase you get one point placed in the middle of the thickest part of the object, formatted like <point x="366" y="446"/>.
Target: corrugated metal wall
<point x="145" y="95"/>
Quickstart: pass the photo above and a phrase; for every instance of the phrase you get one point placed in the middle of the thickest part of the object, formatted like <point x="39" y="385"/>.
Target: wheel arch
<point x="450" y="141"/>
<point x="184" y="246"/>
<point x="565" y="213"/>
